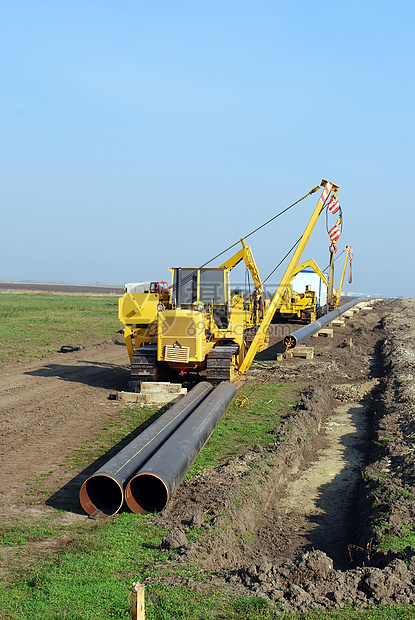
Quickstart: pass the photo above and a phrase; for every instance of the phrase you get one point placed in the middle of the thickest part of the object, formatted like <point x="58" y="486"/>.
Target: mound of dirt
<point x="299" y="523"/>
<point x="391" y="474"/>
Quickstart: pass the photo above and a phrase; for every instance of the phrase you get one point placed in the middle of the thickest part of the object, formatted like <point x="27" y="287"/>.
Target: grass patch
<point x="398" y="542"/>
<point x="91" y="578"/>
<point x="383" y="496"/>
<point x="244" y="426"/>
<point x="38" y="324"/>
<point x="22" y="533"/>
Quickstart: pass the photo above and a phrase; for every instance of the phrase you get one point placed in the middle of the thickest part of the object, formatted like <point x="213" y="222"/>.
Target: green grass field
<point x="38" y="324"/>
<point x="89" y="571"/>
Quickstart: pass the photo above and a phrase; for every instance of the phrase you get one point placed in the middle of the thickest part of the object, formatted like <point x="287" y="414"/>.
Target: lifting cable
<point x="275" y="269"/>
<point x="282" y="260"/>
<point x="315" y="189"/>
<point x="190" y="276"/>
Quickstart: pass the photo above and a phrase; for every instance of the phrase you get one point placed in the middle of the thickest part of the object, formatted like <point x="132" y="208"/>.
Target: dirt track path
<point x="48" y="408"/>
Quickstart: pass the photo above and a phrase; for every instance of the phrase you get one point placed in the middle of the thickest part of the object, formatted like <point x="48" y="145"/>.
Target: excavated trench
<point x="302" y="494"/>
<point x="317" y="509"/>
<point x="303" y="534"/>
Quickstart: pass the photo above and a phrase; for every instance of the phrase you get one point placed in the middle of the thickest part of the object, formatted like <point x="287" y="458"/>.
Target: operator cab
<point x="208" y="287"/>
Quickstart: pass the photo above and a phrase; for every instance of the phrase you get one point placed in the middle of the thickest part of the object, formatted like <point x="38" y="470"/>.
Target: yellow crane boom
<point x="246" y="255"/>
<point x="260" y="336"/>
<point x="349" y="253"/>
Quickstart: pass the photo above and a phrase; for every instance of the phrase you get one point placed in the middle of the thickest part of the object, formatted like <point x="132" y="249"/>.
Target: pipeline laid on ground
<point x="156" y="481"/>
<point x="103" y="492"/>
<point x="295" y="338"/>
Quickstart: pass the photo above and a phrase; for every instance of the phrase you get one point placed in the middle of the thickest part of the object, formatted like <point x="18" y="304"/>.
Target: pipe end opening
<point x="101" y="493"/>
<point x="146" y="493"/>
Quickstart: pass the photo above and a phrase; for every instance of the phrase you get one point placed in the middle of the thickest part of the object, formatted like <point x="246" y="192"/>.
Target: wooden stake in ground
<point x="137" y="602"/>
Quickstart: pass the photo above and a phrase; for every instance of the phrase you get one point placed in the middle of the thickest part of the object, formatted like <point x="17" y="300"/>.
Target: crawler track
<point x="143" y="367"/>
<point x="219" y="364"/>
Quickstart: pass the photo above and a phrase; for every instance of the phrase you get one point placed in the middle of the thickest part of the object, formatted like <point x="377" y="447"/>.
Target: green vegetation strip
<point x="249" y="421"/>
<point x="398" y="541"/>
<point x="38" y="324"/>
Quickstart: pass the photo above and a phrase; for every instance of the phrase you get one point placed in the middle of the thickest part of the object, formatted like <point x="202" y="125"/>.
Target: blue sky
<point x="138" y="135"/>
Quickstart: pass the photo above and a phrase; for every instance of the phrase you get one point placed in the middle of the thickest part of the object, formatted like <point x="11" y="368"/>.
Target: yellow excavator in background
<point x="201" y="327"/>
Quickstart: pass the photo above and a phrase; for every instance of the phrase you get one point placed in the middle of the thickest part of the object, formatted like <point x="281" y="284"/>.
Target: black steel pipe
<point x="155" y="483"/>
<point x="295" y="338"/>
<point x="103" y="492"/>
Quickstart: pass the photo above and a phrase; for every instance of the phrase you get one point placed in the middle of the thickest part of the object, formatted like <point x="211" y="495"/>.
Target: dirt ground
<point x="49" y="408"/>
<point x="298" y="523"/>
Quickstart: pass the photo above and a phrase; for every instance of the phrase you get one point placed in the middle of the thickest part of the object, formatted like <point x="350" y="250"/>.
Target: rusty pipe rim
<point x="146" y="492"/>
<point x="101" y="494"/>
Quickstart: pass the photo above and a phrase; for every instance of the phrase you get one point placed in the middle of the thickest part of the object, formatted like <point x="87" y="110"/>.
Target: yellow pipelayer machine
<point x="304" y="306"/>
<point x="200" y="326"/>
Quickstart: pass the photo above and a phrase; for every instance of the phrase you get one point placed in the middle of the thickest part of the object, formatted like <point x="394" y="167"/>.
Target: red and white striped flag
<point x="350" y="253"/>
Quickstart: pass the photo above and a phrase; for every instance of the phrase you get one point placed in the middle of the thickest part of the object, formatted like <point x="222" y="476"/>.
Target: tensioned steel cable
<point x="190" y="276"/>
<point x="275" y="268"/>
<point x="282" y="260"/>
<point x="262" y="225"/>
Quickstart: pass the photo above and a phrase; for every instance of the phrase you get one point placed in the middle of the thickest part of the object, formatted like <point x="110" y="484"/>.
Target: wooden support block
<point x="306" y="352"/>
<point x="154" y="394"/>
<point x="337" y="323"/>
<point x="348" y="314"/>
<point x="325" y="331"/>
<point x="161" y="387"/>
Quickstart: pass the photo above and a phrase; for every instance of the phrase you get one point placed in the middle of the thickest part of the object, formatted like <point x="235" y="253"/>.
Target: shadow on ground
<point x="67" y="497"/>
